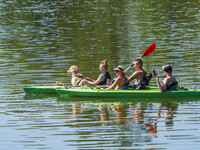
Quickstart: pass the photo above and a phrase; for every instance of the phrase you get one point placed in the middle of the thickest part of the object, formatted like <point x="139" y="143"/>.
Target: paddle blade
<point x="154" y="73"/>
<point x="149" y="50"/>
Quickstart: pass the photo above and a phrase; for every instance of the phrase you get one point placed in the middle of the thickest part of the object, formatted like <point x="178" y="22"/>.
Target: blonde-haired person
<point x="169" y="81"/>
<point x="103" y="77"/>
<point x="121" y="82"/>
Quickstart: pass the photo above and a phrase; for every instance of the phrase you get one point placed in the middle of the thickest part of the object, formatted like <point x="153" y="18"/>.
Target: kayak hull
<point x="147" y="93"/>
<point x="150" y="92"/>
<point x="40" y="89"/>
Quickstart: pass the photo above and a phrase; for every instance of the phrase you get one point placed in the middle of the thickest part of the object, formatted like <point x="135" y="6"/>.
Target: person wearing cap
<point x="139" y="74"/>
<point x="169" y="81"/>
<point x="121" y="81"/>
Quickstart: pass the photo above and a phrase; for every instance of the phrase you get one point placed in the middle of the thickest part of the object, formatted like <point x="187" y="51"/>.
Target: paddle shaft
<point x="148" y="51"/>
<point x="128" y="68"/>
<point x="131" y="66"/>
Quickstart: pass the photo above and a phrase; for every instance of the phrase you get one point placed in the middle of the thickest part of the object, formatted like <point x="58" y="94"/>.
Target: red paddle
<point x="148" y="51"/>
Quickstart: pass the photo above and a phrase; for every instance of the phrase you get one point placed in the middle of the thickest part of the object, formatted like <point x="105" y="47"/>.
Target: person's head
<point x="119" y="71"/>
<point x="167" y="69"/>
<point x="137" y="64"/>
<point x="103" y="65"/>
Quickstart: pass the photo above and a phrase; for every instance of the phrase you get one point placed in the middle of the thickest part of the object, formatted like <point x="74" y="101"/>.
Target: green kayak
<point x="47" y="89"/>
<point x="150" y="92"/>
<point x="40" y="89"/>
<point x="84" y="91"/>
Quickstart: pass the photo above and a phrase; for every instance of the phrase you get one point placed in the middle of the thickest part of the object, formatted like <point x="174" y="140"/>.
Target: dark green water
<point x="40" y="40"/>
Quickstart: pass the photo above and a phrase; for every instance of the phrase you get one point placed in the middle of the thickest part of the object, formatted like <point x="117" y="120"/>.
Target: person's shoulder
<point x="167" y="80"/>
<point x="102" y="74"/>
<point x="143" y="71"/>
<point x="137" y="72"/>
<point x="173" y="78"/>
<point x="140" y="72"/>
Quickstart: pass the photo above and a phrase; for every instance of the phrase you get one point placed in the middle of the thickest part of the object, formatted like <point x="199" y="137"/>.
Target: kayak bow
<point x="40" y="89"/>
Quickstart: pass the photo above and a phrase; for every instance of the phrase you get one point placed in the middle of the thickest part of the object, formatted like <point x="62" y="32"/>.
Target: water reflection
<point x="128" y="114"/>
<point x="136" y="122"/>
<point x="106" y="124"/>
<point x="170" y="109"/>
<point x="121" y="114"/>
<point x="104" y="114"/>
<point x="76" y="109"/>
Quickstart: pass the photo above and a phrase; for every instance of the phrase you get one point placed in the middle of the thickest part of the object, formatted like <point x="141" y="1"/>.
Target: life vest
<point x="125" y="82"/>
<point x="144" y="83"/>
<point x="172" y="85"/>
<point x="106" y="76"/>
<point x="81" y="77"/>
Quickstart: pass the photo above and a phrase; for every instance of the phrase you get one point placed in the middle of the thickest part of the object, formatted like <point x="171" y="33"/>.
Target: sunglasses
<point x="116" y="71"/>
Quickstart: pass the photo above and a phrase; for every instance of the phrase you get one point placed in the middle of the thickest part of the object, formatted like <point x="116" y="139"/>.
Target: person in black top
<point x="103" y="79"/>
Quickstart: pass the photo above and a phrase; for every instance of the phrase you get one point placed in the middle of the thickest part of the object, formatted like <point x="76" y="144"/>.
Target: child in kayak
<point x="103" y="78"/>
<point x="139" y="74"/>
<point x="169" y="81"/>
<point x="121" y="82"/>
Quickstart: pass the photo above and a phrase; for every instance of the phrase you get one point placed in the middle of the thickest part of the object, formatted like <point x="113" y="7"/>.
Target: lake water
<point x="40" y="40"/>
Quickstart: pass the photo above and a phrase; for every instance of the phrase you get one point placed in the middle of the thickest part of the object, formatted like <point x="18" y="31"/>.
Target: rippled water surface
<point x="40" y="40"/>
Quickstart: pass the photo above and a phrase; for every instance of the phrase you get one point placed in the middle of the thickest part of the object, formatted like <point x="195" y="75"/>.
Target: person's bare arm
<point x="95" y="82"/>
<point x="133" y="76"/>
<point x="114" y="84"/>
<point x="89" y="79"/>
<point x="161" y="86"/>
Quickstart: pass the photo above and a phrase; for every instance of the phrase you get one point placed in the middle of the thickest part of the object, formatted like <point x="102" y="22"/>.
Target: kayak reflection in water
<point x="169" y="82"/>
<point x="121" y="82"/>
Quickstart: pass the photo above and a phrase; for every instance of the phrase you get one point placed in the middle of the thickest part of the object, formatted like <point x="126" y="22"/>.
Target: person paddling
<point x="139" y="74"/>
<point x="103" y="78"/>
<point x="169" y="81"/>
<point x="121" y="82"/>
